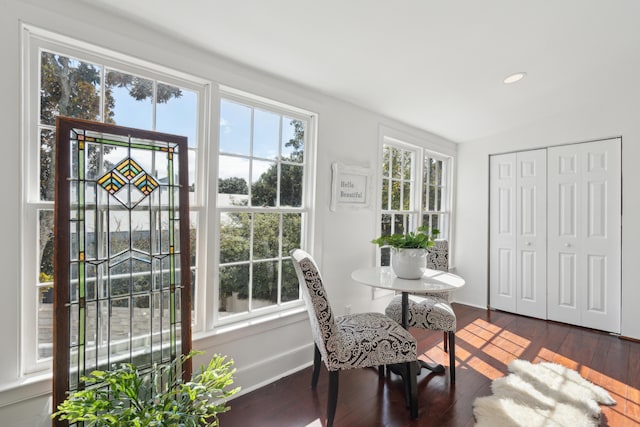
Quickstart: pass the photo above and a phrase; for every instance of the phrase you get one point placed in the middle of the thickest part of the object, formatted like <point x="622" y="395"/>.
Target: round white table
<point x="431" y="281"/>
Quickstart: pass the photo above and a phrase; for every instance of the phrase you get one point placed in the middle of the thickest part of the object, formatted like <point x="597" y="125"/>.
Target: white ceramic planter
<point x="408" y="263"/>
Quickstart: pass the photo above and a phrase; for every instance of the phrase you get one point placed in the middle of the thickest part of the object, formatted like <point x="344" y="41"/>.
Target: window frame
<point x="306" y="209"/>
<point x="415" y="215"/>
<point x="34" y="41"/>
<point x="203" y="202"/>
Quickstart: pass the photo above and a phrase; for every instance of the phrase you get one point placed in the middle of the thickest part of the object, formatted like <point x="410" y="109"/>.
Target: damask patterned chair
<point x="432" y="310"/>
<point x="352" y="341"/>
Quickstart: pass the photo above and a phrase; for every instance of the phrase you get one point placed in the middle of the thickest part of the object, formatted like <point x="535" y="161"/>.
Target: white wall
<point x="606" y="118"/>
<point x="347" y="134"/>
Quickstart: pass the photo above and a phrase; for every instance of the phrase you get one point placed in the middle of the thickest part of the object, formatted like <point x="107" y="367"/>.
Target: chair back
<point x="321" y="317"/>
<point x="438" y="258"/>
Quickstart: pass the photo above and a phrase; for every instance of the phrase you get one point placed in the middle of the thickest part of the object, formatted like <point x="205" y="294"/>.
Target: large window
<point x="260" y="171"/>
<point x="415" y="191"/>
<point x="262" y="205"/>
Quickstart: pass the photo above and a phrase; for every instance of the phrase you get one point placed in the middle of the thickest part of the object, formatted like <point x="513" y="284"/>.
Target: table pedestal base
<point x="399" y="369"/>
<point x="433" y="367"/>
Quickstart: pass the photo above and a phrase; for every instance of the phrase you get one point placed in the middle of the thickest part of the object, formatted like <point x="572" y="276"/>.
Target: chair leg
<point x="412" y="372"/>
<point x="317" y="361"/>
<point x="452" y="356"/>
<point x="381" y="371"/>
<point x="332" y="403"/>
<point x="446" y="349"/>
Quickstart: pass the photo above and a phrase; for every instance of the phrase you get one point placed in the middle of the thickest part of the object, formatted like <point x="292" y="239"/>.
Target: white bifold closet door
<point x="518" y="231"/>
<point x="584" y="234"/>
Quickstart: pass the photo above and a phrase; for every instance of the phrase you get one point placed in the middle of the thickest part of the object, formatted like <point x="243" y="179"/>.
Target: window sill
<point x="249" y="327"/>
<point x="39" y="384"/>
<point x="27" y="387"/>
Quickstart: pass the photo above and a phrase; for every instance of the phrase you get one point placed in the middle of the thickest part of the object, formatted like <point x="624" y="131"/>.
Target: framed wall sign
<point x="350" y="187"/>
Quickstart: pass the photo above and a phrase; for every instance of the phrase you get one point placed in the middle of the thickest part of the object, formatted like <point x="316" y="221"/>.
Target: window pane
<point x="235" y="128"/>
<point x="234" y="289"/>
<point x="45" y="322"/>
<point x="292" y="140"/>
<point x="265" y="284"/>
<point x="291" y="232"/>
<point x="234" y="236"/>
<point x="385" y="194"/>
<point x="68" y="87"/>
<point x="385" y="230"/>
<point x="432" y="198"/>
<point x="399" y="224"/>
<point x="266" y="134"/>
<point x="193" y="237"/>
<point x="385" y="225"/>
<point x="128" y="100"/>
<point x="47" y="164"/>
<point x="232" y="183"/>
<point x="435" y="223"/>
<point x="192" y="176"/>
<point x="395" y="195"/>
<point x="290" y="284"/>
<point x="291" y="185"/>
<point x="45" y="285"/>
<point x="386" y="155"/>
<point x="438" y="205"/>
<point x="177" y="112"/>
<point x="433" y="172"/>
<point x="406" y="196"/>
<point x="406" y="164"/>
<point x="266" y="234"/>
<point x="396" y="163"/>
<point x="264" y="185"/>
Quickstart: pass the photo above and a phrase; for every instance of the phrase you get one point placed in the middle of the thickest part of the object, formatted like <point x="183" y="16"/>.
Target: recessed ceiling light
<point x="514" y="78"/>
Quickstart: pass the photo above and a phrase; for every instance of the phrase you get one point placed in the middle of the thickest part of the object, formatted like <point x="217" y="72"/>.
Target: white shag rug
<point x="541" y="395"/>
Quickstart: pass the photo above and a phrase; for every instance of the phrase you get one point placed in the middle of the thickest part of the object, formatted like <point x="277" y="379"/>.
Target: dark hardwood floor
<point x="486" y="341"/>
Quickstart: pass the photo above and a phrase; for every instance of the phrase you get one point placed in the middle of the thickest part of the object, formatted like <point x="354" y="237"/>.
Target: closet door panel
<point x="584" y="243"/>
<point x="602" y="235"/>
<point x="502" y="278"/>
<point x="531" y="240"/>
<point x="563" y="273"/>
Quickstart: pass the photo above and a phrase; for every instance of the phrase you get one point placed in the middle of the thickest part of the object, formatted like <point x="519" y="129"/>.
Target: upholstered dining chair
<point x="352" y="341"/>
<point x="432" y="311"/>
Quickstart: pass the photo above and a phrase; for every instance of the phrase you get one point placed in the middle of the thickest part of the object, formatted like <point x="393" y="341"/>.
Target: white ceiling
<point x="434" y="64"/>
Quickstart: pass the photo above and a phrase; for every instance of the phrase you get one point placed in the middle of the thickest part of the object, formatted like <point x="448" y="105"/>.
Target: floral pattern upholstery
<point x="438" y="258"/>
<point x="354" y="340"/>
<point x="430" y="312"/>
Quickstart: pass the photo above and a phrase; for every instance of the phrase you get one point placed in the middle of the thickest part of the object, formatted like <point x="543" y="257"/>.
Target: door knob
<point x="567" y="245"/>
<point x="528" y="244"/>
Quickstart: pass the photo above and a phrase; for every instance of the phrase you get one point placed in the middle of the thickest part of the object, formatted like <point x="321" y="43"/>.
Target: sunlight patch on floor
<point x="496" y="342"/>
<point x="484" y="368"/>
<point x="315" y="423"/>
<point x="617" y="414"/>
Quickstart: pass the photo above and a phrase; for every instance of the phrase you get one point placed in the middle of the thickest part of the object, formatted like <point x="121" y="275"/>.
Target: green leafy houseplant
<point x="422" y="239"/>
<point x="408" y="251"/>
<point x="126" y="396"/>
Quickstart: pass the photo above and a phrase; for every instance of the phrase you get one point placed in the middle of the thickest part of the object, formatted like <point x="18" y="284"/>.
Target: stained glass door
<point x="122" y="277"/>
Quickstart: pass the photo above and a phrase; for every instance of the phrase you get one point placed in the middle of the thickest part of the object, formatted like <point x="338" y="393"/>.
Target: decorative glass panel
<point x="121" y="208"/>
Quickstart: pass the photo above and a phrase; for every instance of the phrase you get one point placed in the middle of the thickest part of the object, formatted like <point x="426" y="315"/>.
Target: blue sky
<point x="179" y="116"/>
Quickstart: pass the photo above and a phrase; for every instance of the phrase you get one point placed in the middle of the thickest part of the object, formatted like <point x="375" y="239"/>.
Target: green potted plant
<point x="409" y="251"/>
<point x="126" y="396"/>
